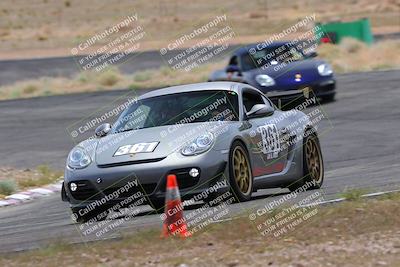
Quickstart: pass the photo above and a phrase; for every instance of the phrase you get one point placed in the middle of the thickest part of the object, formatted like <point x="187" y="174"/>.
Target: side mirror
<point x="260" y="110"/>
<point x="233" y="68"/>
<point x="102" y="130"/>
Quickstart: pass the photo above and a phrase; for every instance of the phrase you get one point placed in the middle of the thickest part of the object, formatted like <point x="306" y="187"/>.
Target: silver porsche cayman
<point x="223" y="136"/>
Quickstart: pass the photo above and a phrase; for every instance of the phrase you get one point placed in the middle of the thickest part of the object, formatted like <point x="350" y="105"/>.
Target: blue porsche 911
<point x="280" y="70"/>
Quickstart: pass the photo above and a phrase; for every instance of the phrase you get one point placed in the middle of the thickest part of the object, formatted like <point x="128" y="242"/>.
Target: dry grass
<point x="108" y="80"/>
<point x="351" y="55"/>
<point x="26" y="32"/>
<point x="353" y="194"/>
<point x="12" y="179"/>
<point x="357" y="233"/>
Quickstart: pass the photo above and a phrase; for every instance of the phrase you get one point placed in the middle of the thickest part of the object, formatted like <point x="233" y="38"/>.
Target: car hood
<point x="307" y="68"/>
<point x="170" y="139"/>
<point x="290" y="75"/>
<point x="308" y="65"/>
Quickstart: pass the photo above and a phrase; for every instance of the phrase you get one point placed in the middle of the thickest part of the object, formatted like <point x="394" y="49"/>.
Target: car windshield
<point x="271" y="55"/>
<point x="188" y="107"/>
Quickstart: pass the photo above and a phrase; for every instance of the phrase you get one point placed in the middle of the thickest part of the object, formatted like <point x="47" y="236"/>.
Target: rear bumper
<point x="147" y="178"/>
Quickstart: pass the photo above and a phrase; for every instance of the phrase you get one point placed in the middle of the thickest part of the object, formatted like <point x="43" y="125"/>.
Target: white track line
<point x="337" y="200"/>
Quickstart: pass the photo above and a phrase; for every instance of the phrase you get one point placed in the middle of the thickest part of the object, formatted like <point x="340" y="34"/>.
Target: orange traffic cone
<point x="174" y="222"/>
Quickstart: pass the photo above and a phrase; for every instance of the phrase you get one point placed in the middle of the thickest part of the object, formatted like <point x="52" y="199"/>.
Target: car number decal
<point x="270" y="140"/>
<point x="136" y="148"/>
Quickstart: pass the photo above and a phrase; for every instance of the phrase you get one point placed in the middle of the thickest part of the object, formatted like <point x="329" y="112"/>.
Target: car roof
<point x="228" y="86"/>
<point x="245" y="49"/>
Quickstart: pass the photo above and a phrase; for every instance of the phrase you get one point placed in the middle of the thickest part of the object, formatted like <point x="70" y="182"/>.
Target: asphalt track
<point x="24" y="69"/>
<point x="360" y="144"/>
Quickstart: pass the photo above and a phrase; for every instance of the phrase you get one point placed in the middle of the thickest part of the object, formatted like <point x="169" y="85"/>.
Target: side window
<point x="251" y="98"/>
<point x="233" y="61"/>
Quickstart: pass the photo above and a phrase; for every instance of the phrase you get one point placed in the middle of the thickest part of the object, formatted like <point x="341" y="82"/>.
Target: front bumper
<point x="320" y="89"/>
<point x="94" y="183"/>
<point x="325" y="88"/>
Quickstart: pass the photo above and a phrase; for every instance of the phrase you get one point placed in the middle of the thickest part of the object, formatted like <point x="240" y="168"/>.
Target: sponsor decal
<point x="271" y="144"/>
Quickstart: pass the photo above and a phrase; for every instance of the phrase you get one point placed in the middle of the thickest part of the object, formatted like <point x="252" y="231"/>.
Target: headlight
<point x="265" y="80"/>
<point x="199" y="145"/>
<point x="78" y="158"/>
<point x="325" y="69"/>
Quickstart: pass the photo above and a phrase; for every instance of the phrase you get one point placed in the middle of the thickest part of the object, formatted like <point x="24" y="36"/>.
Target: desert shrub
<point x="7" y="187"/>
<point x="142" y="76"/>
<point x="29" y="89"/>
<point x="109" y="77"/>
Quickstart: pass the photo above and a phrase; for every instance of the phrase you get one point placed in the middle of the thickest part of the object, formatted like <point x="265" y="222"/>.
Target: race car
<point x="221" y="133"/>
<point x="280" y="70"/>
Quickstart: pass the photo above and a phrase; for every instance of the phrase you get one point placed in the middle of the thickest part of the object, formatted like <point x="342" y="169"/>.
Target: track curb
<point x="31" y="194"/>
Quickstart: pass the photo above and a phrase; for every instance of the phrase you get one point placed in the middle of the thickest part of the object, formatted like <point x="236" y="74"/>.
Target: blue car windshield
<point x="271" y="55"/>
<point x="187" y="107"/>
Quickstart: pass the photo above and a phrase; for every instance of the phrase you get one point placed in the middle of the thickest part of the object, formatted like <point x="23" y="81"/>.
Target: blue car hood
<point x="290" y="75"/>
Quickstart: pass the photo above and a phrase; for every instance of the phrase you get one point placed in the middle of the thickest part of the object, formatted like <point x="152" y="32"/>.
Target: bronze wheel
<point x="313" y="164"/>
<point x="314" y="160"/>
<point x="241" y="174"/>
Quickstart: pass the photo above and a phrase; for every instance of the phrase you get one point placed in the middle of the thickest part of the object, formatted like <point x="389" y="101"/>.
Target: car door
<point x="265" y="136"/>
<point x="278" y="138"/>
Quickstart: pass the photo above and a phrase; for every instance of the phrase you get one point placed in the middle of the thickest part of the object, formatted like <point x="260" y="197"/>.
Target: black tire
<point x="157" y="204"/>
<point x="64" y="196"/>
<point x="239" y="175"/>
<point x="296" y="185"/>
